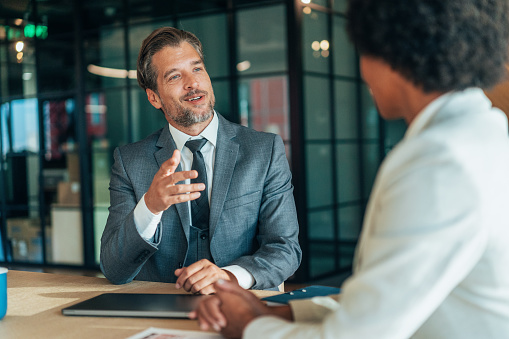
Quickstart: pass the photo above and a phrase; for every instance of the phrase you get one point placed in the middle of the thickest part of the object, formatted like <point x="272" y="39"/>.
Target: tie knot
<point x="196" y="144"/>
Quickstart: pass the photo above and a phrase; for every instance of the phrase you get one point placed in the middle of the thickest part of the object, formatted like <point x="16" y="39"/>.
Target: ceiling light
<point x="243" y="66"/>
<point x="111" y="72"/>
<point x="19" y="46"/>
<point x="324" y="44"/>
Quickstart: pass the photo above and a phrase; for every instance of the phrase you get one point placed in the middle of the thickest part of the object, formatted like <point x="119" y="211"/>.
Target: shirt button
<point x="180" y="265"/>
<point x="203" y="236"/>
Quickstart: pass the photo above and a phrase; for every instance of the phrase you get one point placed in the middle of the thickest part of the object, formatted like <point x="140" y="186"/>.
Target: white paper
<point x="164" y="333"/>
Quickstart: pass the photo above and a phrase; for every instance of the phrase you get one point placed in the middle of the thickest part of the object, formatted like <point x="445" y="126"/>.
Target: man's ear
<point x="153" y="98"/>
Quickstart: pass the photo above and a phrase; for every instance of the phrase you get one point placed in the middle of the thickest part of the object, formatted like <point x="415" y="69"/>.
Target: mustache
<point x="193" y="93"/>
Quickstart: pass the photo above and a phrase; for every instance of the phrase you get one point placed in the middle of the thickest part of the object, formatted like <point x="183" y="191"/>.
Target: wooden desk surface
<point x="35" y="301"/>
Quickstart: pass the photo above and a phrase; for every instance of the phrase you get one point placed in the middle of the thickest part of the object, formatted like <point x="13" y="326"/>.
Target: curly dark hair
<point x="439" y="45"/>
<point x="156" y="41"/>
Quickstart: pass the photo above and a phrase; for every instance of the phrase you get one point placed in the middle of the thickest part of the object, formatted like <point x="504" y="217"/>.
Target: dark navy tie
<point x="200" y="206"/>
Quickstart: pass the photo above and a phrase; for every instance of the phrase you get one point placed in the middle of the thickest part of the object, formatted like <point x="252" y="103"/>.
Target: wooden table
<point x="35" y="301"/>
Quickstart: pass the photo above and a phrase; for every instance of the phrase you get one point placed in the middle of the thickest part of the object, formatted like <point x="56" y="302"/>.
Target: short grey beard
<point x="188" y="118"/>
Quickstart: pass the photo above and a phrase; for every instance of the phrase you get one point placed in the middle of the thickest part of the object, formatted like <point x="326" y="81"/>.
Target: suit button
<point x="203" y="236"/>
<point x="180" y="265"/>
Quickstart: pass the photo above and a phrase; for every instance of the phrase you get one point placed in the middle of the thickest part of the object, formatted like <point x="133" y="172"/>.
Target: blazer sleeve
<point x="123" y="250"/>
<point x="279" y="254"/>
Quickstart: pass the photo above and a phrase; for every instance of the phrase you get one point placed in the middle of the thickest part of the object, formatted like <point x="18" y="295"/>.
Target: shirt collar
<point x="209" y="133"/>
<point x="426" y="114"/>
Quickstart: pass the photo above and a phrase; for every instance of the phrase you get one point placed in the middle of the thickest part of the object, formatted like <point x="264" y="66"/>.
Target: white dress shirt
<point x="433" y="257"/>
<point x="146" y="222"/>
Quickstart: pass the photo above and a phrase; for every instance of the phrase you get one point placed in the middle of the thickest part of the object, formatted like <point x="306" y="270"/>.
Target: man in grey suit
<point x="201" y="199"/>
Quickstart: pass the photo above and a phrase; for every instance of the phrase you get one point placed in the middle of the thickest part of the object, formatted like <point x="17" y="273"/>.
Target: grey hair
<point x="156" y="41"/>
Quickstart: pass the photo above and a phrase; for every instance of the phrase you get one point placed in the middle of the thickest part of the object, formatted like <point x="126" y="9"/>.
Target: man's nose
<point x="192" y="82"/>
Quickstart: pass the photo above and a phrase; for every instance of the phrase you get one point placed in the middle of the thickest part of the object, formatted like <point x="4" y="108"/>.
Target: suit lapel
<point x="226" y="156"/>
<point x="167" y="147"/>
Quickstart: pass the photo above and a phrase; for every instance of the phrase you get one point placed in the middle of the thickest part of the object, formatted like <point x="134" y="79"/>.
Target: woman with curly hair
<point x="433" y="257"/>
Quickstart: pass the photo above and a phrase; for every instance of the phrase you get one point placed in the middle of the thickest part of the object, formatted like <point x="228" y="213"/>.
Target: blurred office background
<point x="69" y="96"/>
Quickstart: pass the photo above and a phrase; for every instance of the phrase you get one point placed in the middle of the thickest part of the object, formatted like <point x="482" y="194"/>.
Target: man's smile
<point x="195" y="97"/>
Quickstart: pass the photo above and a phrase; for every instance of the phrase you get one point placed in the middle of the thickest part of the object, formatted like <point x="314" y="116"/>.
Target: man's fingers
<point x="200" y="277"/>
<point x="186" y="272"/>
<point x="174" y="161"/>
<point x="169" y="166"/>
<point x="183" y="175"/>
<point x="201" y="282"/>
<point x="169" y="194"/>
<point x="196" y="282"/>
<point x="179" y="198"/>
<point x="184" y="188"/>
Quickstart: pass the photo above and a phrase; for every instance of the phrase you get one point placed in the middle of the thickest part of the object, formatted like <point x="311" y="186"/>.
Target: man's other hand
<point x="201" y="276"/>
<point x="164" y="191"/>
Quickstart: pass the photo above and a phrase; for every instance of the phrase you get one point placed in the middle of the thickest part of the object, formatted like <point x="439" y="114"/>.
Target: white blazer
<point x="433" y="257"/>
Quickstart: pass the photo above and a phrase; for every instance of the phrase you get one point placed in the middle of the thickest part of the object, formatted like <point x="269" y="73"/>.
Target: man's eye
<point x="197" y="69"/>
<point x="174" y="77"/>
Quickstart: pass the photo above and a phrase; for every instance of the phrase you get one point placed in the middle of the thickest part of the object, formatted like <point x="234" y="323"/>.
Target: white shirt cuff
<point x="244" y="278"/>
<point x="146" y="222"/>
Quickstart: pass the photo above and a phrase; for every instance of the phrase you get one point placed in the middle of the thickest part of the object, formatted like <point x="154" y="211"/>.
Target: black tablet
<point x="136" y="305"/>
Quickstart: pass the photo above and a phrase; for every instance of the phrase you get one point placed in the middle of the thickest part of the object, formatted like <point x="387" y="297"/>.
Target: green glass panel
<point x="321" y="259"/>
<point x="105" y="59"/>
<point x="261" y="42"/>
<point x="317" y="108"/>
<point x="315" y="42"/>
<point x="319" y="175"/>
<point x="350" y="222"/>
<point x="345" y="59"/>
<point x="346" y="110"/>
<point x="57" y="54"/>
<point x="348" y="172"/>
<point x="321" y="225"/>
<point x="340" y="5"/>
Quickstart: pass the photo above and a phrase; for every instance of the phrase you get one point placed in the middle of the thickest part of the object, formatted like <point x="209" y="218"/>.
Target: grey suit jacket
<point x="253" y="221"/>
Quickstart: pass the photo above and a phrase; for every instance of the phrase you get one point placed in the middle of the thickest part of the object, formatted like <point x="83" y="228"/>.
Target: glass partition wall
<point x="69" y="96"/>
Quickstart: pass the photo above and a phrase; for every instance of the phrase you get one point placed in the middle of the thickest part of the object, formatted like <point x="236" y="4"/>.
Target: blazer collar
<point x="226" y="157"/>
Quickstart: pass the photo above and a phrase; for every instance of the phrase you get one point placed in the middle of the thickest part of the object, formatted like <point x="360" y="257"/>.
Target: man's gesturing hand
<point x="200" y="277"/>
<point x="163" y="192"/>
